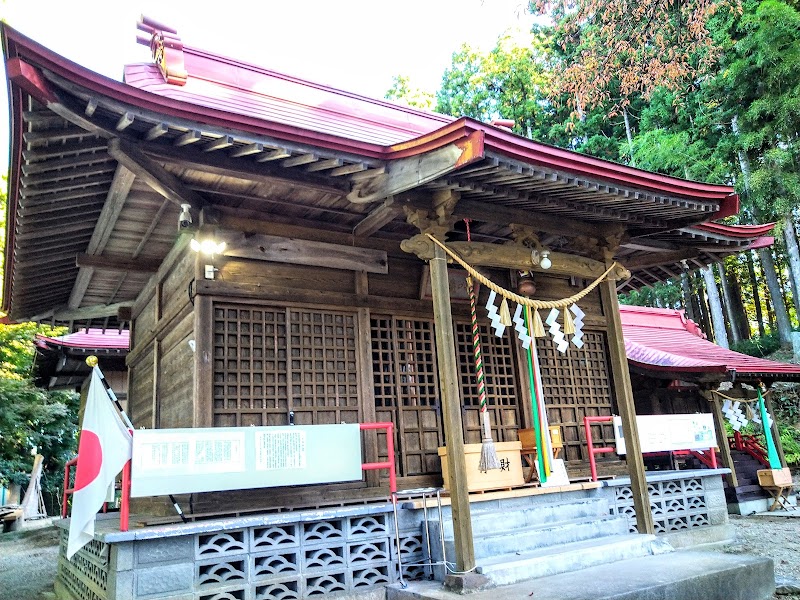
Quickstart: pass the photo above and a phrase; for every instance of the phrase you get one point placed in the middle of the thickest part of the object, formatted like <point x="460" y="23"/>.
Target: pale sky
<point x="355" y="45"/>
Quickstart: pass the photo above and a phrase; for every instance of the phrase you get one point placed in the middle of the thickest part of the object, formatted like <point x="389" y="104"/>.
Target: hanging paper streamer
<point x="772" y="452"/>
<point x="555" y="331"/>
<point x="577" y="339"/>
<point x="522" y="330"/>
<point x="494" y="317"/>
<point x="734" y="415"/>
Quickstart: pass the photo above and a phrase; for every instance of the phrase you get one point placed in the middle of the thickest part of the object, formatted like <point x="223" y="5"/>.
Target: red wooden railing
<point x="587" y="426"/>
<point x="124" y="510"/>
<point x="749" y="444"/>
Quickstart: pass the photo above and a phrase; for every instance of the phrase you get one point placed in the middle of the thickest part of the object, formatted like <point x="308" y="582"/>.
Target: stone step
<point x="684" y="575"/>
<point x="504" y="519"/>
<point x="504" y="569"/>
<point x="534" y="538"/>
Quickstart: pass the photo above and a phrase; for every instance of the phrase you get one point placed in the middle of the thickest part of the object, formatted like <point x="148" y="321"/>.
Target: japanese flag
<point x="104" y="448"/>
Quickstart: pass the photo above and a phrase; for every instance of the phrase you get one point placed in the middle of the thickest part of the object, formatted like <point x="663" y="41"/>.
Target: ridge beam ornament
<point x="403" y="174"/>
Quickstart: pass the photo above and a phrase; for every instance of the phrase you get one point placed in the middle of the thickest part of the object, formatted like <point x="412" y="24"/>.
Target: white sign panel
<point x="182" y="461"/>
<point x="661" y="433"/>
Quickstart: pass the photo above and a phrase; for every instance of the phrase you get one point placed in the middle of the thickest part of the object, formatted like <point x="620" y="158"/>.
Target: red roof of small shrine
<point x="90" y="339"/>
<point x="659" y="339"/>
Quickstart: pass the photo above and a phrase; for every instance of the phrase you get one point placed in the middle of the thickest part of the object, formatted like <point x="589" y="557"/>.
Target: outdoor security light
<point x="207" y="246"/>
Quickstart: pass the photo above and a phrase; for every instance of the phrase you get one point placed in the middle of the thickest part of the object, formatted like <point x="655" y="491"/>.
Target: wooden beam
<point x="156" y="131"/>
<point x="125" y="121"/>
<point x="115" y="200"/>
<point x="492" y="212"/>
<point x="190" y="137"/>
<point x="512" y="256"/>
<point x="247" y="150"/>
<point x="407" y="173"/>
<point x="623" y="394"/>
<point x="449" y="381"/>
<point x="302" y="159"/>
<point x="664" y="258"/>
<point x="104" y="263"/>
<point x="152" y="173"/>
<point x="304" y="252"/>
<point x="227" y="167"/>
<point x="379" y="217"/>
<point x="225" y="141"/>
<point x="81" y="314"/>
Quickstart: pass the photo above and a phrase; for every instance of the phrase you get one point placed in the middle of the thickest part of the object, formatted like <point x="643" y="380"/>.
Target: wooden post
<point x="203" y="354"/>
<point x="451" y="412"/>
<point x="625" y="405"/>
<point x="722" y="438"/>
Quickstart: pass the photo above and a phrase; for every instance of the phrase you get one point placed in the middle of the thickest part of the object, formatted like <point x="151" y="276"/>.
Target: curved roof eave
<point x="16" y="44"/>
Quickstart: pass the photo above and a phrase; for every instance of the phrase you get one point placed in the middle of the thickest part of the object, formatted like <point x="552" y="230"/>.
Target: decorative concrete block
<point x="163" y="580"/>
<point x="121" y="556"/>
<point x="164" y="550"/>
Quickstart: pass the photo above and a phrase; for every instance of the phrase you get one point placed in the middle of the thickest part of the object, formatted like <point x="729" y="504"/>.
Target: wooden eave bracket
<point x="407" y="173"/>
<point x="152" y="173"/>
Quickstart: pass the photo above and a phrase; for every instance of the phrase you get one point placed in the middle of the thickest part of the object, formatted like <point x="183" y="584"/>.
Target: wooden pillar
<point x="722" y="438"/>
<point x="625" y="406"/>
<point x="203" y="354"/>
<point x="451" y="412"/>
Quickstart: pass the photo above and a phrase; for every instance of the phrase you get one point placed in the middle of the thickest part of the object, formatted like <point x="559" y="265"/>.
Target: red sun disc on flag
<point x="90" y="459"/>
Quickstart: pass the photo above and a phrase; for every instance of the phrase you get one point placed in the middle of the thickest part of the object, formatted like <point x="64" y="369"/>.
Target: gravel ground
<point x="28" y="558"/>
<point x="775" y="537"/>
<point x="28" y="561"/>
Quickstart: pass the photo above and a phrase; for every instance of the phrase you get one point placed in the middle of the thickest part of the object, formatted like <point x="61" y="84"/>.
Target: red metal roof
<point x="90" y="339"/>
<point x="245" y="97"/>
<point x="659" y="339"/>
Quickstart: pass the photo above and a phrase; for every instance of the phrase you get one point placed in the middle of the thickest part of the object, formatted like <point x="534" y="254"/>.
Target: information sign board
<point x="182" y="461"/>
<point x="660" y="433"/>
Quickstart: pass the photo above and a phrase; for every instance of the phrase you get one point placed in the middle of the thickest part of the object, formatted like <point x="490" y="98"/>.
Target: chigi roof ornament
<point x="167" y="49"/>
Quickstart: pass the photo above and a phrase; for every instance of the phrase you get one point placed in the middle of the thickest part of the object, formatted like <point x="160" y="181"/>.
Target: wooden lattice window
<point x="501" y="384"/>
<point x="270" y="361"/>
<point x="407" y="390"/>
<point x="577" y="384"/>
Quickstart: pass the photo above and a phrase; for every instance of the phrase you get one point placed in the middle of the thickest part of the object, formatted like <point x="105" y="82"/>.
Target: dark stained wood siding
<point x="176" y="376"/>
<point x="140" y="398"/>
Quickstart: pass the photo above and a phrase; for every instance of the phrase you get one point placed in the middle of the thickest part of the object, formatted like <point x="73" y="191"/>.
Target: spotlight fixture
<point x="207" y="246"/>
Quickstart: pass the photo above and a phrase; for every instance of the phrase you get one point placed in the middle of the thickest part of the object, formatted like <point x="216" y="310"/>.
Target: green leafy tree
<point x="35" y="419"/>
<point x="404" y="92"/>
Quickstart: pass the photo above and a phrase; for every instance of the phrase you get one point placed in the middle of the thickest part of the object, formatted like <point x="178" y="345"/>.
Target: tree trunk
<point x="687" y="296"/>
<point x="629" y="135"/>
<point x="793" y="255"/>
<point x="741" y="312"/>
<point x="744" y="160"/>
<point x="715" y="306"/>
<point x="733" y="322"/>
<point x="781" y="316"/>
<point x="756" y="295"/>
<point x="702" y="307"/>
<point x="779" y="271"/>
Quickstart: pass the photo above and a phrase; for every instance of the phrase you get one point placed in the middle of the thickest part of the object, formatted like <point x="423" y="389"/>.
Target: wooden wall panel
<point x="577" y="384"/>
<point x="502" y="389"/>
<point x="271" y="360"/>
<point x="140" y="399"/>
<point x="176" y="376"/>
<point x="175" y="287"/>
<point x="145" y="324"/>
<point x="402" y="281"/>
<point x="303" y="277"/>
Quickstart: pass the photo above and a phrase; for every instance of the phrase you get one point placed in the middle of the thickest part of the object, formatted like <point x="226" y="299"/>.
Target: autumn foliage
<point x="615" y="49"/>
